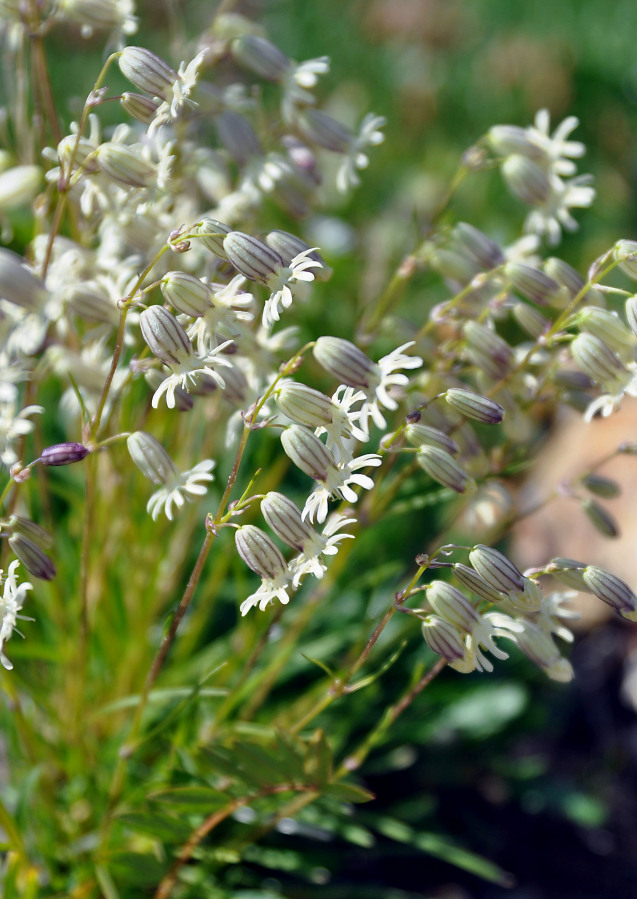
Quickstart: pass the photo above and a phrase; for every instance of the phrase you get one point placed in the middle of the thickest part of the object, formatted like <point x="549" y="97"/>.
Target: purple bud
<point x="63" y="454"/>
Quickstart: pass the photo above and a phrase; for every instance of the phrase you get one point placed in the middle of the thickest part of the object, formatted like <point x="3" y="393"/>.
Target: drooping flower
<point x="13" y="596"/>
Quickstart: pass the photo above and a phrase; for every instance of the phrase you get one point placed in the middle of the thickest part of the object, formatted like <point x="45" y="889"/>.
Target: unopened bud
<point x="258" y="55"/>
<point x="139" y="106"/>
<point x="568" y="572"/>
<point x="625" y="252"/>
<point x="597" y="360"/>
<point x="470" y="240"/>
<point x="601" y="520"/>
<point x="212" y="234"/>
<point x="344" y="360"/>
<point x="538" y="646"/>
<point x="251" y="256"/>
<point x="124" y="165"/>
<point x="532" y="283"/>
<point x="601" y="486"/>
<point x="85" y="300"/>
<point x="307" y="452"/>
<point x="150" y="457"/>
<point x="289" y="245"/>
<point x="487" y="350"/>
<point x="284" y="517"/>
<point x="571" y="279"/>
<point x="452" y="605"/>
<point x="32" y="557"/>
<point x="531" y="320"/>
<point x="165" y="337"/>
<point x="470" y="578"/>
<point x="19" y="185"/>
<point x="19" y="525"/>
<point x="63" y="454"/>
<point x="321" y="128"/>
<point x="423" y="435"/>
<point x="305" y="405"/>
<point x="473" y="405"/>
<point x="238" y="136"/>
<point x="498" y="571"/>
<point x="443" y="468"/>
<point x="147" y="71"/>
<point x="611" y="590"/>
<point x="17" y="284"/>
<point x="610" y="328"/>
<point x="259" y="552"/>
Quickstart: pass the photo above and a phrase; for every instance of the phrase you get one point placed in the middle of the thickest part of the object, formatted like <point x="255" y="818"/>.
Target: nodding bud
<point x="443" y="468"/>
<point x="509" y="140"/>
<point x="487" y="350"/>
<point x="344" y="360"/>
<point x="611" y="590"/>
<point x="32" y="557"/>
<point x="165" y="337"/>
<point x="147" y="71"/>
<point x="530" y="320"/>
<point x="601" y="486"/>
<point x="289" y="245"/>
<point x="19" y="525"/>
<point x="568" y="572"/>
<point x="598" y="361"/>
<point x="470" y="578"/>
<point x="150" y="457"/>
<point x="424" y="435"/>
<point x="305" y="405"/>
<point x="443" y="638"/>
<point x="527" y="180"/>
<point x="601" y="520"/>
<point x="498" y="571"/>
<point x="610" y="328"/>
<point x="532" y="283"/>
<point x="238" y="136"/>
<point x="19" y="185"/>
<point x="452" y="605"/>
<point x="625" y="253"/>
<point x="124" y="165"/>
<point x="139" y="106"/>
<point x="63" y="454"/>
<point x="258" y="55"/>
<point x="186" y="293"/>
<point x="473" y="405"/>
<point x="251" y="256"/>
<point x="259" y="552"/>
<point x="307" y="452"/>
<point x="284" y="517"/>
<point x="18" y="285"/>
<point x="212" y="234"/>
<point x="571" y="279"/>
<point x="467" y="239"/>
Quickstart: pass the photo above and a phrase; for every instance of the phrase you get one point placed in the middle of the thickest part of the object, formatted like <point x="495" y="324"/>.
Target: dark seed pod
<point x="34" y="560"/>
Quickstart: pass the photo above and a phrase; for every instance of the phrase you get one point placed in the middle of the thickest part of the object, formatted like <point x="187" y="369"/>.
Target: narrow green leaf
<point x="291" y="752"/>
<point x="318" y="760"/>
<point x="164" y="827"/>
<point x="222" y="762"/>
<point x="348" y="792"/>
<point x="261" y="762"/>
<point x="320" y="664"/>
<point x="196" y="799"/>
<point x="106" y="882"/>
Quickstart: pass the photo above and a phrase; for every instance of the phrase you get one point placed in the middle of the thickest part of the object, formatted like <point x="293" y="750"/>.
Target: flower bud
<point x="452" y="605"/>
<point x="423" y="435"/>
<point x="139" y="107"/>
<point x="124" y="165"/>
<point x="443" y="468"/>
<point x="611" y="590"/>
<point x="34" y="560"/>
<point x="63" y="454"/>
<point x="236" y="385"/>
<point x="526" y="180"/>
<point x="538" y="646"/>
<point x="19" y="185"/>
<point x="473" y="405"/>
<point x="186" y="293"/>
<point x="305" y="405"/>
<point x="19" y="525"/>
<point x="284" y="517"/>
<point x="165" y="337"/>
<point x="307" y="452"/>
<point x="568" y="572"/>
<point x="467" y="239"/>
<point x="289" y="245"/>
<point x="238" y="136"/>
<point x="147" y="71"/>
<point x="601" y="520"/>
<point x="344" y="360"/>
<point x="508" y="140"/>
<point x="487" y="350"/>
<point x="571" y="279"/>
<point x="212" y="234"/>
<point x="530" y="320"/>
<point x="532" y="283"/>
<point x="443" y="638"/>
<point x="150" y="457"/>
<point x="17" y="284"/>
<point x="85" y="300"/>
<point x="258" y="55"/>
<point x="610" y="328"/>
<point x="601" y="486"/>
<point x="625" y="252"/>
<point x="259" y="552"/>
<point x="251" y="256"/>
<point x="470" y="578"/>
<point x="498" y="571"/>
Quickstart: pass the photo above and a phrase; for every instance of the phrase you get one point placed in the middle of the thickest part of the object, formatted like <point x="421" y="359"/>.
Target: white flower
<point x="182" y="88"/>
<point x="282" y="282"/>
<point x="337" y="484"/>
<point x="555" y="146"/>
<point x="381" y="379"/>
<point x="325" y="544"/>
<point x="486" y="627"/>
<point x="13" y="596"/>
<point x="297" y="82"/>
<point x="552" y="610"/>
<point x="187" y="371"/>
<point x="271" y="587"/>
<point x="553" y="214"/>
<point x="179" y="488"/>
<point x="14" y="426"/>
<point x="356" y="157"/>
